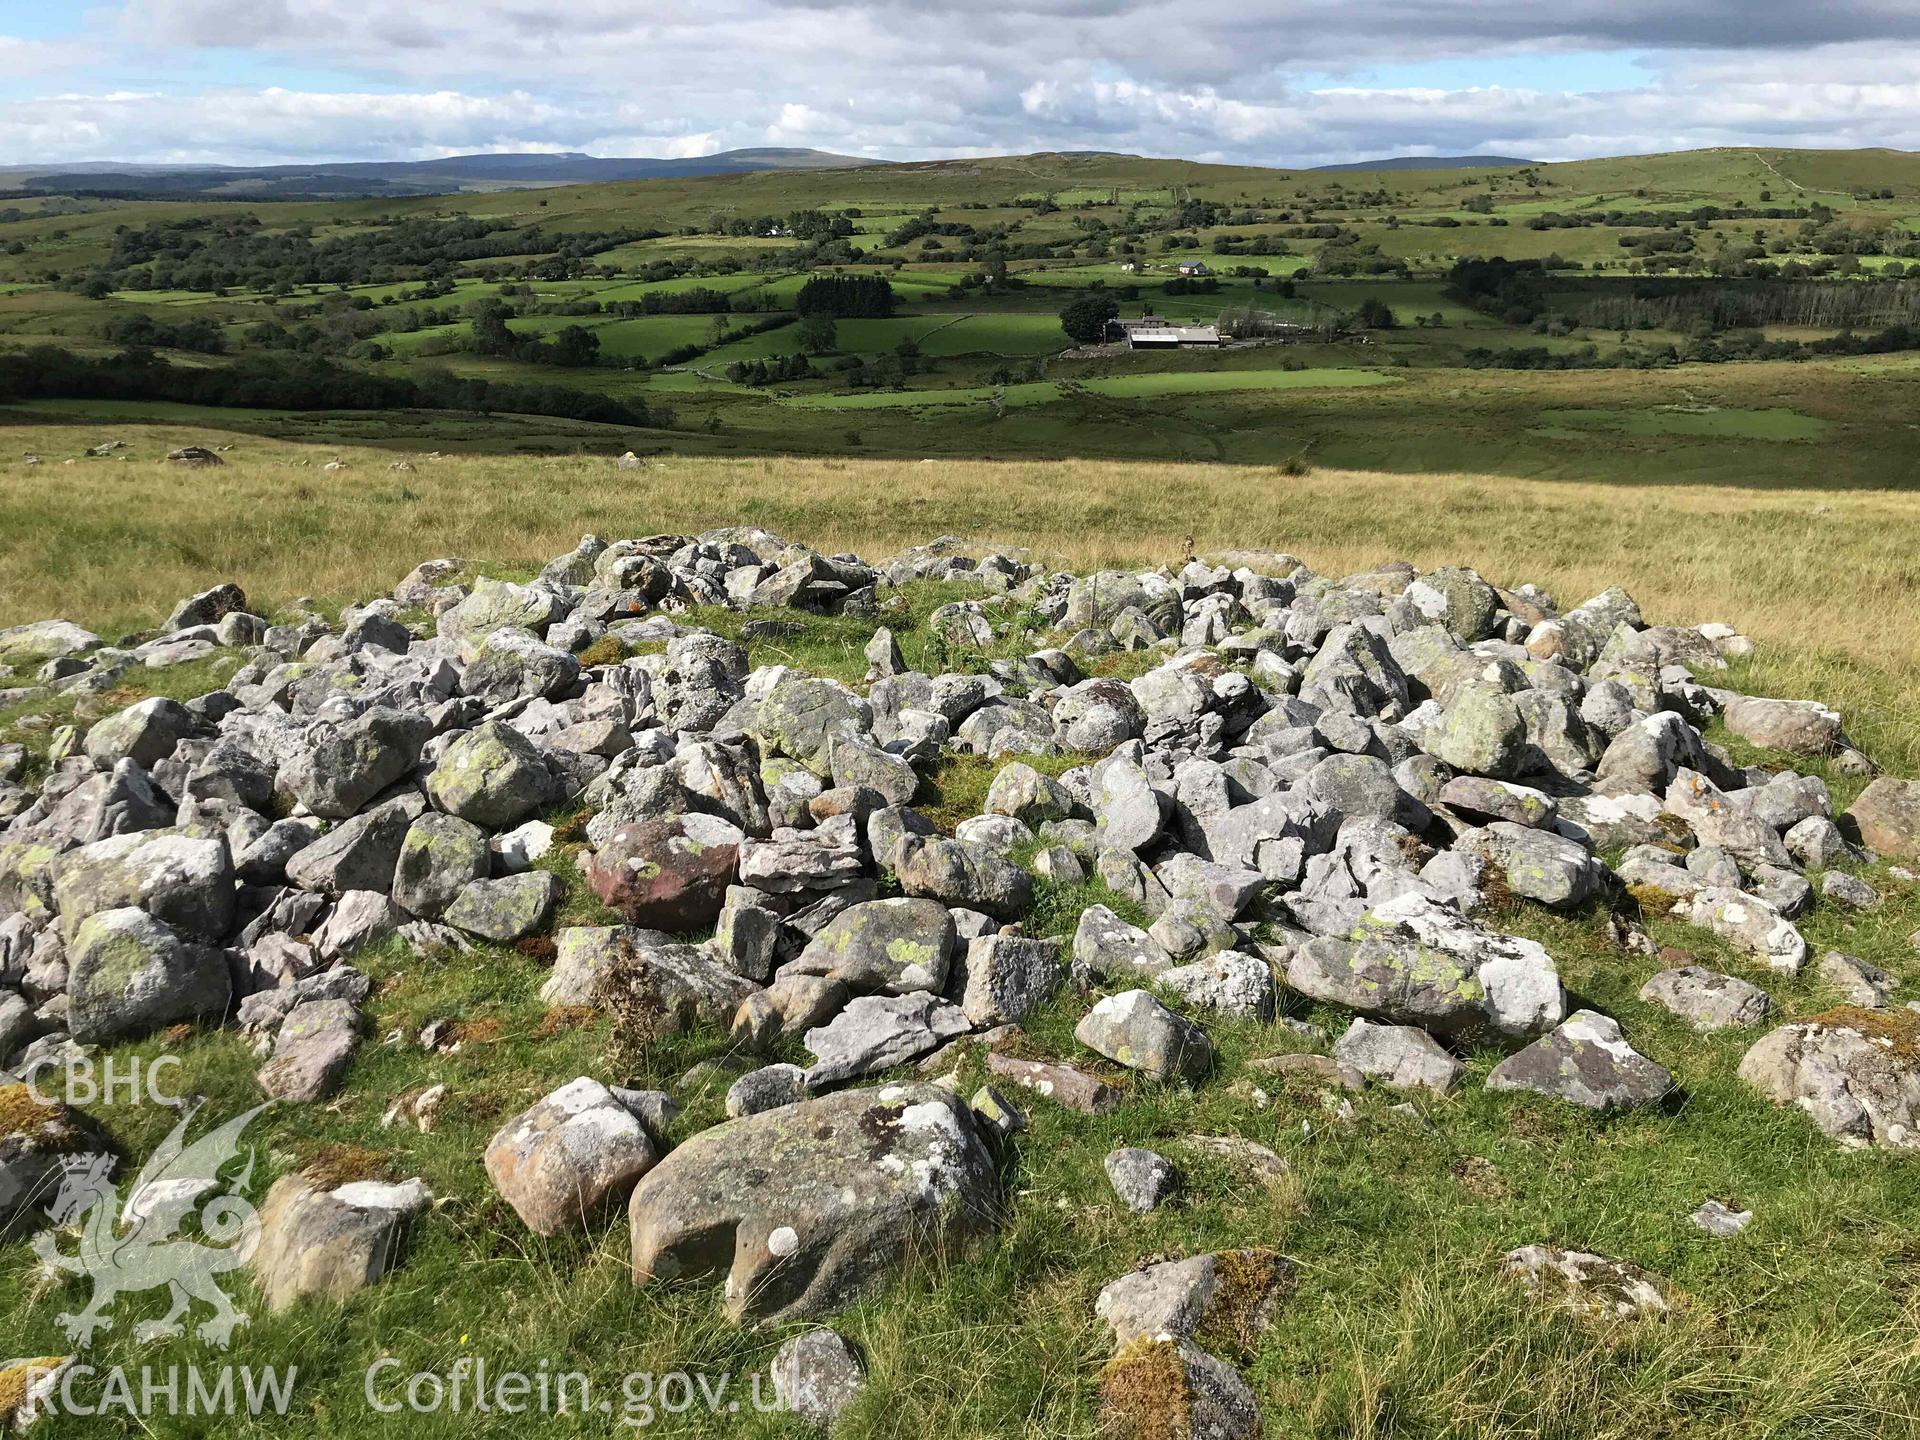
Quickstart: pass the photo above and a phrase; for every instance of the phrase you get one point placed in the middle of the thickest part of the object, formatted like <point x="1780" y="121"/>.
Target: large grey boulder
<point x="1126" y="808"/>
<point x="800" y="717"/>
<point x="1857" y="1077"/>
<point x="808" y="1205"/>
<point x="1887" y="817"/>
<point x="183" y="880"/>
<point x="1025" y="794"/>
<point x="1480" y="732"/>
<point x="1587" y="1062"/>
<point x="508" y="907"/>
<point x="1135" y="1030"/>
<point x="1717" y="821"/>
<point x="146" y="733"/>
<point x="492" y="777"/>
<point x="1096" y="716"/>
<point x="1798" y="727"/>
<point x="569" y="1156"/>
<point x="1228" y="983"/>
<point x="1007" y="978"/>
<point x="512" y="664"/>
<point x="882" y="947"/>
<point x="128" y="975"/>
<point x="1647" y="755"/>
<point x="1413" y="962"/>
<point x="1751" y="924"/>
<point x="440" y="856"/>
<point x="590" y="961"/>
<point x="1541" y="866"/>
<point x="1108" y="949"/>
<point x="495" y="603"/>
<point x="331" y="1243"/>
<point x="357" y="854"/>
<point x="957" y="873"/>
<point x="312" y="1051"/>
<point x="340" y="767"/>
<point x="43" y="640"/>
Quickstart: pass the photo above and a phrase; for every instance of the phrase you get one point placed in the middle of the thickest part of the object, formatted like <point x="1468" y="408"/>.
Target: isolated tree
<point x="819" y="335"/>
<point x="575" y="346"/>
<point x="490" y="333"/>
<point x="1085" y="317"/>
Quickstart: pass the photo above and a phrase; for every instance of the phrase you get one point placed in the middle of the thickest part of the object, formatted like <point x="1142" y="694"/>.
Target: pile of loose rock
<point x="1313" y="792"/>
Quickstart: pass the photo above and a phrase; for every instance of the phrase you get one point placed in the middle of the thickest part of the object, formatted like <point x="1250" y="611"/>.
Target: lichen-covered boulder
<point x="882" y="947"/>
<point x="340" y="767"/>
<point x="440" y="856"/>
<point x="1798" y="727"/>
<point x="183" y="880"/>
<point x="1855" y="1072"/>
<point x="128" y="975"/>
<point x="1887" y="817"/>
<point x="331" y="1243"/>
<point x="957" y="873"/>
<point x="491" y="776"/>
<point x="1136" y="1030"/>
<point x="569" y="1156"/>
<point x="1413" y="962"/>
<point x="810" y="1204"/>
<point x="508" y="907"/>
<point x="1587" y="1062"/>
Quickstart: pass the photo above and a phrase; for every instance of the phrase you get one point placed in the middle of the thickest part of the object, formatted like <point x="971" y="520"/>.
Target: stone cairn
<point x="1313" y="789"/>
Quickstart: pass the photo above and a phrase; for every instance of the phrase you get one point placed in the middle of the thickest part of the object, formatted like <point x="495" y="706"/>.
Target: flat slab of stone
<point x="1706" y="999"/>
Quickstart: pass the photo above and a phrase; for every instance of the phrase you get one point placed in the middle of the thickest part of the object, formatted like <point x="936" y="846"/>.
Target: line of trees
<point x="289" y="382"/>
<point x="846" y="297"/>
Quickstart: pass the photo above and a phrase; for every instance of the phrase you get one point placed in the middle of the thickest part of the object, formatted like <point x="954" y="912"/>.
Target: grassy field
<point x="1398" y="1325"/>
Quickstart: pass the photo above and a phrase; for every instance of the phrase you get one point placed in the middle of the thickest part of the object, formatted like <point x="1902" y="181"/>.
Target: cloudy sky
<point x="1270" y="82"/>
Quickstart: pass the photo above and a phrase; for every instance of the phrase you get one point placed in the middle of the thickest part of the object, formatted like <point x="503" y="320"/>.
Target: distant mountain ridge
<point x="1430" y="162"/>
<point x="453" y="173"/>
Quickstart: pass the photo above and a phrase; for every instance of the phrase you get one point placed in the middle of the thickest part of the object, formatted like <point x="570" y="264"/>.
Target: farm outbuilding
<point x="1175" y="337"/>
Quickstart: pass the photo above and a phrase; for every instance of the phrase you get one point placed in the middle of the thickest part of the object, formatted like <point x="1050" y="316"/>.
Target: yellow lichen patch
<point x="1144" y="1393"/>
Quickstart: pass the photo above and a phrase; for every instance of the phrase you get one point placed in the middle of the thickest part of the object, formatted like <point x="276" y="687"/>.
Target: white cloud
<point x="1214" y="79"/>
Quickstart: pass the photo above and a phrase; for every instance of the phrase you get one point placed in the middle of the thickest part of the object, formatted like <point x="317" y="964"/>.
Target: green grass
<point x="1194" y="382"/>
<point x="1704" y="422"/>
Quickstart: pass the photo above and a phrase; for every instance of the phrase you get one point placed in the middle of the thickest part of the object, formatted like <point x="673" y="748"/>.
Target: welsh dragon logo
<point x="139" y="1247"/>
